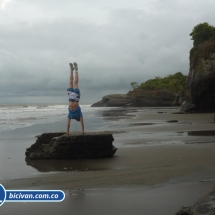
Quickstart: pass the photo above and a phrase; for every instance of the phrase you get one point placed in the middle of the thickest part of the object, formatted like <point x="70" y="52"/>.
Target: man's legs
<point x="71" y="76"/>
<point x="76" y="75"/>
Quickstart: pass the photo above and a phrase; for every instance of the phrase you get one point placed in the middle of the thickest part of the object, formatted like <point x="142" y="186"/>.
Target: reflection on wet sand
<point x="65" y="165"/>
<point x="200" y="133"/>
<point x="119" y="113"/>
<point x="138" y="124"/>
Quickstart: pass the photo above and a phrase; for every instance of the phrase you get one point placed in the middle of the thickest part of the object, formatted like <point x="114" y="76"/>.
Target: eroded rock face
<point x="114" y="100"/>
<point x="138" y="98"/>
<point x="199" y="94"/>
<point x="152" y="98"/>
<point x="204" y="206"/>
<point x="62" y="146"/>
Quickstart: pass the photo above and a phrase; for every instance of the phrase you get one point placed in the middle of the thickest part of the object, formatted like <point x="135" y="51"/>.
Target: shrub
<point x="174" y="83"/>
<point x="202" y="32"/>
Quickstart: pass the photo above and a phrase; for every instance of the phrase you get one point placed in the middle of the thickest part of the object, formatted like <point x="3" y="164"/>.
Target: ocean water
<point x="20" y="116"/>
<point x="14" y="117"/>
<point x="19" y="124"/>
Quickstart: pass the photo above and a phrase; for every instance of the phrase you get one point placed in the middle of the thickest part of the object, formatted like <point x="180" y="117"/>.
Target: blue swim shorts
<point x="74" y="94"/>
<point x="75" y="114"/>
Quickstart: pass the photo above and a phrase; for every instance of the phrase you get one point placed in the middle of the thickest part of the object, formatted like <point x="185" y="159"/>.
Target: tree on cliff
<point x="134" y="85"/>
<point x="202" y="32"/>
<point x="174" y="83"/>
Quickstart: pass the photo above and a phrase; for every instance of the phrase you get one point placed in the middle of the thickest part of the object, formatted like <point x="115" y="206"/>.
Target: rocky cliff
<point x="114" y="100"/>
<point x="61" y="146"/>
<point x="138" y="98"/>
<point x="199" y="93"/>
<point x="204" y="206"/>
<point x="151" y="98"/>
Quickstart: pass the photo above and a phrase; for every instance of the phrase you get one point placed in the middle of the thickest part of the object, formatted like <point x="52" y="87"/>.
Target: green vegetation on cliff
<point x="202" y="32"/>
<point x="204" y="45"/>
<point x="174" y="83"/>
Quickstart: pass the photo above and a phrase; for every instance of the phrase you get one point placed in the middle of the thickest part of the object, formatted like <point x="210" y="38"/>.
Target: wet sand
<point x="150" y="201"/>
<point x="158" y="168"/>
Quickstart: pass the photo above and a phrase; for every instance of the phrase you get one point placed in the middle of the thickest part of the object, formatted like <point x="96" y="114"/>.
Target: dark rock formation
<point x="62" y="146"/>
<point x="152" y="98"/>
<point x="187" y="106"/>
<point x="199" y="94"/>
<point x="177" y="100"/>
<point x="184" y="211"/>
<point x="114" y="100"/>
<point x="138" y="98"/>
<point x="204" y="206"/>
<point x="173" y="120"/>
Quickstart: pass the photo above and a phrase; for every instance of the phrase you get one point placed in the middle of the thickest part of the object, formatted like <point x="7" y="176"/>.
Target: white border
<point x="2" y="201"/>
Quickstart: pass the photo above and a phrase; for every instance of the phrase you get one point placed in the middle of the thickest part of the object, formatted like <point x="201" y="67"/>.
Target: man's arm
<point x="82" y="124"/>
<point x="68" y="126"/>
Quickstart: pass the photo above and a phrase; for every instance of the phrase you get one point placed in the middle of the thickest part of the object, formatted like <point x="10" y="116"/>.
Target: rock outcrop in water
<point x="199" y="94"/>
<point x="204" y="206"/>
<point x="151" y="98"/>
<point x="61" y="146"/>
<point x="138" y="98"/>
<point x="114" y="100"/>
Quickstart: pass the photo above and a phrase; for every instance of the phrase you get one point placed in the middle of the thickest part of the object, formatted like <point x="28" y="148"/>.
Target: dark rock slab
<point x="151" y="98"/>
<point x="171" y="121"/>
<point x="184" y="211"/>
<point x="138" y="98"/>
<point x="58" y="145"/>
<point x="204" y="206"/>
<point x="114" y="100"/>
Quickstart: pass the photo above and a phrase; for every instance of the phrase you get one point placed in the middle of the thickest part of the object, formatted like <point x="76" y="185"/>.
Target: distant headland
<point x="193" y="93"/>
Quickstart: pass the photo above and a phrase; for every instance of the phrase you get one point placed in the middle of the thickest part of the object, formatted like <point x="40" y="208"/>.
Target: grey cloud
<point x="131" y="45"/>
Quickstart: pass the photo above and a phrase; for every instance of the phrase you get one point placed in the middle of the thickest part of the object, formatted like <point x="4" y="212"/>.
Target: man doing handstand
<point x="74" y="96"/>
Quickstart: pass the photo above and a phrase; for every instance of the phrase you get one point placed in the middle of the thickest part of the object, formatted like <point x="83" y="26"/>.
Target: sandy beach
<point x="158" y="168"/>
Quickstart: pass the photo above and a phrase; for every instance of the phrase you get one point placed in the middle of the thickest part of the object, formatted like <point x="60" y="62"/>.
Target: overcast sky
<point x="114" y="42"/>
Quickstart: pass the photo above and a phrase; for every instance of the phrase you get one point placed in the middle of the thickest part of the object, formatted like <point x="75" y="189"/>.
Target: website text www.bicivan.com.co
<point x="21" y="196"/>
